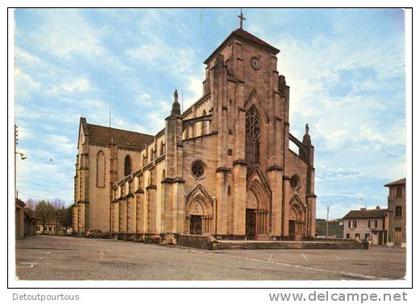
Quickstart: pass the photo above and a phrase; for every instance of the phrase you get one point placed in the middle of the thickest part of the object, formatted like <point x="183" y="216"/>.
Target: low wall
<point x="288" y="245"/>
<point x="196" y="241"/>
<point x="209" y="242"/>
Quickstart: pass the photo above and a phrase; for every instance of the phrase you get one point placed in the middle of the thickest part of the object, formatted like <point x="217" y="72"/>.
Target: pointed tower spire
<point x="176" y="107"/>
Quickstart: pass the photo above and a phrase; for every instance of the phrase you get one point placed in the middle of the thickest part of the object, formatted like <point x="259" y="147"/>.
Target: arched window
<point x="203" y="124"/>
<point x="162" y="148"/>
<point x="252" y="141"/>
<point x="100" y="169"/>
<point x="127" y="165"/>
<point x="191" y="133"/>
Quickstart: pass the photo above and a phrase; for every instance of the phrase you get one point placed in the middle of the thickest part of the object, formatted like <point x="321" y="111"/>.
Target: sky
<point x="345" y="69"/>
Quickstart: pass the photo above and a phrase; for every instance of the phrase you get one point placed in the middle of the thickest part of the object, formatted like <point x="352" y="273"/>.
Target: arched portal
<point x="196" y="214"/>
<point x="296" y="219"/>
<point x="199" y="214"/>
<point x="257" y="211"/>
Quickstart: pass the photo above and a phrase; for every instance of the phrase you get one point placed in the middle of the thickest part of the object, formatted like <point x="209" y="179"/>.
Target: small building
<point x="19" y="219"/>
<point x="397" y="213"/>
<point x="367" y="224"/>
<point x="30" y="222"/>
<point x="49" y="228"/>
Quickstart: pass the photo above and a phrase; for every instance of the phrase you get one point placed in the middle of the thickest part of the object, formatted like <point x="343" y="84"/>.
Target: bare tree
<point x="30" y="204"/>
<point x="69" y="216"/>
<point x="45" y="212"/>
<point x="61" y="218"/>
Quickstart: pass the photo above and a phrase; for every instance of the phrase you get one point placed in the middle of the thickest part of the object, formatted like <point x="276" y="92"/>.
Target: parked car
<point x="94" y="233"/>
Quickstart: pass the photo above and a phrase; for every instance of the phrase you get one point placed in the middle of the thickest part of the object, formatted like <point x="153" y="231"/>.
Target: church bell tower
<point x="250" y="116"/>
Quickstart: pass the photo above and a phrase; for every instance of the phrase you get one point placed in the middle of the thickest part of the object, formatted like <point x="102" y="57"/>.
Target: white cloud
<point x="24" y="84"/>
<point x="194" y="91"/>
<point x="78" y="85"/>
<point x="60" y="143"/>
<point x="34" y="179"/>
<point x="338" y="174"/>
<point x="73" y="36"/>
<point x="24" y="57"/>
<point x="144" y="98"/>
<point x="160" y="55"/>
<point x="70" y="86"/>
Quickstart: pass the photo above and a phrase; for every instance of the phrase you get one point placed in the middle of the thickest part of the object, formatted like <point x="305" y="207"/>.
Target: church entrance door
<point x="195" y="224"/>
<point x="251" y="224"/>
<point x="292" y="229"/>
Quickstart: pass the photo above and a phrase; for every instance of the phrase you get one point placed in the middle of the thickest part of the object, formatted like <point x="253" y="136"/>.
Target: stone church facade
<point x="223" y="167"/>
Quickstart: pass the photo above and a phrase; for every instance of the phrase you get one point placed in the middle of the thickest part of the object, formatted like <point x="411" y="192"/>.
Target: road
<point x="68" y="258"/>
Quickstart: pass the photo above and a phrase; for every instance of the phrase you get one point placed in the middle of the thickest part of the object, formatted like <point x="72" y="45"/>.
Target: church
<point x="221" y="168"/>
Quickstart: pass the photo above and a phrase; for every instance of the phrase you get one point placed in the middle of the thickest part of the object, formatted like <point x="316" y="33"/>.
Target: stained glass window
<point x="253" y="132"/>
<point x="198" y="168"/>
<point x="127" y="165"/>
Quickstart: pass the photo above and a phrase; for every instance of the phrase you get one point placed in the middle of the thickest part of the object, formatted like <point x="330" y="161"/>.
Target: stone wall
<point x="196" y="241"/>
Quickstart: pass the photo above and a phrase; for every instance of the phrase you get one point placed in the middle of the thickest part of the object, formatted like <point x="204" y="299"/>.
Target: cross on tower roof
<point x="241" y="18"/>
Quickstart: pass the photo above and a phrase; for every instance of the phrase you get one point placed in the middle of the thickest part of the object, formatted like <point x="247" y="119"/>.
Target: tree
<point x="45" y="212"/>
<point x="61" y="217"/>
<point x="30" y="204"/>
<point x="69" y="216"/>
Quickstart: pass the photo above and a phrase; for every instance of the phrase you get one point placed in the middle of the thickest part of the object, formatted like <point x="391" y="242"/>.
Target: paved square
<point x="68" y="258"/>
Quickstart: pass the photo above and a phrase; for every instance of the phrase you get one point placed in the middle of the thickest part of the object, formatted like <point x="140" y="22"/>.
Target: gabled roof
<point x="101" y="136"/>
<point x="366" y="214"/>
<point x="397" y="182"/>
<point x="247" y="37"/>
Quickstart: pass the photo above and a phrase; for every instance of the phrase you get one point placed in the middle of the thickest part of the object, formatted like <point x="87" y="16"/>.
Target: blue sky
<point x="345" y="69"/>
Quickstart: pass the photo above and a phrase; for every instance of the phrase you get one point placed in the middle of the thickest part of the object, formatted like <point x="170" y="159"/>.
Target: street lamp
<point x="22" y="155"/>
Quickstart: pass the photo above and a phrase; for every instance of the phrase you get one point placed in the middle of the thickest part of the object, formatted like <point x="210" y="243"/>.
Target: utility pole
<point x="22" y="156"/>
<point x="16" y="139"/>
<point x="328" y="219"/>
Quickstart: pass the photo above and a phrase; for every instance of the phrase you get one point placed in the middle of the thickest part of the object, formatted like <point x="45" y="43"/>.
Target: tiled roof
<point x="366" y="214"/>
<point x="244" y="35"/>
<point x="397" y="182"/>
<point x="101" y="136"/>
<point x="19" y="202"/>
<point x="248" y="36"/>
